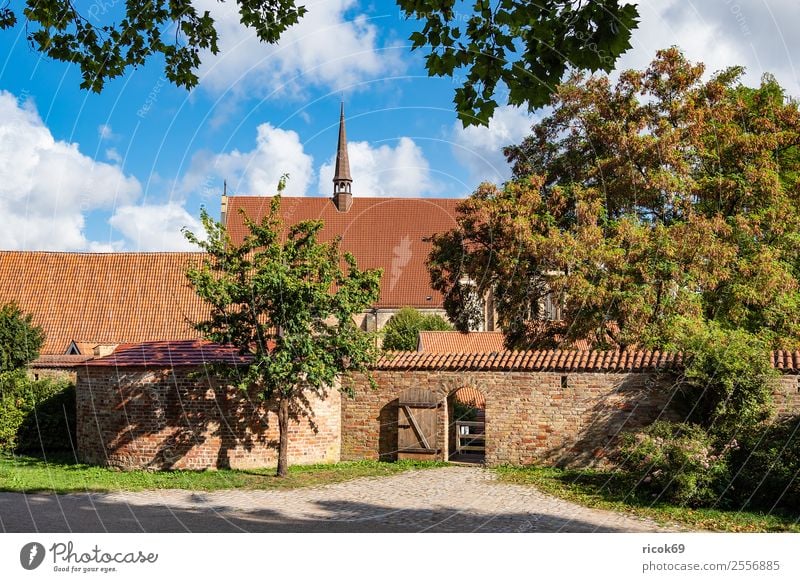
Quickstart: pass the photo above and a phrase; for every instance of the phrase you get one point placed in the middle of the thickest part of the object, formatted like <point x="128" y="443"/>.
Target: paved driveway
<point x="450" y="499"/>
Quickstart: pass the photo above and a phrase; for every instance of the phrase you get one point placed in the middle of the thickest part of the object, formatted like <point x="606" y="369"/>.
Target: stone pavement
<point x="449" y="499"/>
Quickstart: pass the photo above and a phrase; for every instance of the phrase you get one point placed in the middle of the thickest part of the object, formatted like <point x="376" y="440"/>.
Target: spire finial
<point x="342" y="180"/>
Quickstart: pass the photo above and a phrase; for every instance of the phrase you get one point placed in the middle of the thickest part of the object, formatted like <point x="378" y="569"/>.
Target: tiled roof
<point x="786" y="361"/>
<point x="105" y="298"/>
<point x="456" y="342"/>
<point x="380" y="232"/>
<point x="59" y="361"/>
<point x="197" y="352"/>
<point x="543" y="360"/>
<point x="470" y="396"/>
<point x="169" y="354"/>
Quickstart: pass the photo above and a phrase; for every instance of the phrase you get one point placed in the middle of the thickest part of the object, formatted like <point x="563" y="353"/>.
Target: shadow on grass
<point x="60" y="475"/>
<point x="621" y="491"/>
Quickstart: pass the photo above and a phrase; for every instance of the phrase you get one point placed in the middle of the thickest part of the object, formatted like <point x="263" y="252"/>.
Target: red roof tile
<point x="59" y="361"/>
<point x="105" y="298"/>
<point x="536" y="360"/>
<point x="197" y="352"/>
<point x="456" y="342"/>
<point x="385" y="233"/>
<point x="169" y="354"/>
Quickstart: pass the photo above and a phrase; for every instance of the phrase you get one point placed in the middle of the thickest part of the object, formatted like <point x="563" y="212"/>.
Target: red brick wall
<point x="787" y="395"/>
<point x="138" y="418"/>
<point x="529" y="416"/>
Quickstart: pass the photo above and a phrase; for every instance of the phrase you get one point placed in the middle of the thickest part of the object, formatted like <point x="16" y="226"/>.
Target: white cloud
<point x="113" y="155"/>
<point x="326" y="49"/>
<point x="384" y="170"/>
<point x="47" y="186"/>
<point x="256" y="172"/>
<point x="156" y="227"/>
<point x="105" y="132"/>
<point x="758" y="35"/>
<point x="480" y="148"/>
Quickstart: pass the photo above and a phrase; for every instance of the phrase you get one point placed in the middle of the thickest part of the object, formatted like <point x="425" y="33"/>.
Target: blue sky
<point x="125" y="170"/>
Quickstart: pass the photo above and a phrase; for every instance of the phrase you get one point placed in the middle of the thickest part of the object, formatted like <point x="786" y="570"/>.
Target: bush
<point x="35" y="415"/>
<point x="402" y="330"/>
<point x="766" y="468"/>
<point x="676" y="462"/>
<point x="728" y="376"/>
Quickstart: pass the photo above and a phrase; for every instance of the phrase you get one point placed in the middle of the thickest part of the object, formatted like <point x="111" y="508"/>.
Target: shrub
<point x="676" y="462"/>
<point x="766" y="468"/>
<point x="728" y="376"/>
<point x="20" y="339"/>
<point x="402" y="330"/>
<point x="35" y="415"/>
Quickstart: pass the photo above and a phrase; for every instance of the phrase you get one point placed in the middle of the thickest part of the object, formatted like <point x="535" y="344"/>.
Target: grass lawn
<point x="60" y="475"/>
<point x="604" y="490"/>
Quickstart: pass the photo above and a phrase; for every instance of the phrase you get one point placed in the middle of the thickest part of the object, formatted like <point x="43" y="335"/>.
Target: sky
<point x="127" y="169"/>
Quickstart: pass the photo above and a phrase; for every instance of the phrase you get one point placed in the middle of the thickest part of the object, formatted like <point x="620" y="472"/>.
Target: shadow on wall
<point x="387" y="434"/>
<point x="164" y="420"/>
<point x="634" y="404"/>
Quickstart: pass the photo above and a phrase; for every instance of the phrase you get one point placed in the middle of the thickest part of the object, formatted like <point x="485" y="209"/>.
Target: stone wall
<point x="137" y="418"/>
<point x="573" y="418"/>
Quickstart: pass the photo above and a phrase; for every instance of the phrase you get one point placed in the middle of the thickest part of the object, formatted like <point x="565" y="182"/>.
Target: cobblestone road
<point x="450" y="499"/>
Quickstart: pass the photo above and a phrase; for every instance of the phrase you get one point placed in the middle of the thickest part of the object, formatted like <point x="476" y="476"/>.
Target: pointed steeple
<point x="342" y="181"/>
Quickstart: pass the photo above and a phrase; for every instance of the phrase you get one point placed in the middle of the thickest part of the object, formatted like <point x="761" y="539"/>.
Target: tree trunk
<point x="283" y="436"/>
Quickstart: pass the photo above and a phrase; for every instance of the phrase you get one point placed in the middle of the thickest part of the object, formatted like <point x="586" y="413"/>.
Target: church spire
<point x="342" y="181"/>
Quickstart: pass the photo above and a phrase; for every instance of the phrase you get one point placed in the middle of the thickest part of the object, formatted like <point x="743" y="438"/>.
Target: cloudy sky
<point x="127" y="169"/>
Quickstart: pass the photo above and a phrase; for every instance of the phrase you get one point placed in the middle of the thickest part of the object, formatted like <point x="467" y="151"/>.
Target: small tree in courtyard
<point x="402" y="329"/>
<point x="288" y="301"/>
<point x="20" y="338"/>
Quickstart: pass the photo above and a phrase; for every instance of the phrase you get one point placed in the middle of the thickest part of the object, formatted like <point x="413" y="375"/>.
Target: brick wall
<point x="530" y="417"/>
<point x="787" y="395"/>
<point x="139" y="418"/>
<point x="160" y="419"/>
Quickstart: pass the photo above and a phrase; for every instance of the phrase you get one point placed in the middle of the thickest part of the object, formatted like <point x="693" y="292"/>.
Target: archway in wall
<point x="466" y="408"/>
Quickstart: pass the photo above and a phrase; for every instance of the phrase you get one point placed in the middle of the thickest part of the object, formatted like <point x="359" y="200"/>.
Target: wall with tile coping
<point x="531" y="417"/>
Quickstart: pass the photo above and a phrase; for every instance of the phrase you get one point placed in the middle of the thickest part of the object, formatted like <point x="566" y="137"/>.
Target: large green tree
<point x="287" y="301"/>
<point x="20" y="338"/>
<point x="659" y="198"/>
<point x="523" y="46"/>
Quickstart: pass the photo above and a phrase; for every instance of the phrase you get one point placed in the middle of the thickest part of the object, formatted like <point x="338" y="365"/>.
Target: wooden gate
<point x="417" y="423"/>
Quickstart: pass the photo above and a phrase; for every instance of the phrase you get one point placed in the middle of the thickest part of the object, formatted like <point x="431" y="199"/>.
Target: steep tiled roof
<point x="169" y="354"/>
<point x="456" y="342"/>
<point x="104" y="298"/>
<point x="380" y="232"/>
<point x="544" y="360"/>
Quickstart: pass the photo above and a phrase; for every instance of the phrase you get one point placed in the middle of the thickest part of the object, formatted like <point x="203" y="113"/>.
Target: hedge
<point x="36" y="415"/>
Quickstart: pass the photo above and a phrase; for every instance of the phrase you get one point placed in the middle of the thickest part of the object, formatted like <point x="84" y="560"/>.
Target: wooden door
<point x="417" y="423"/>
